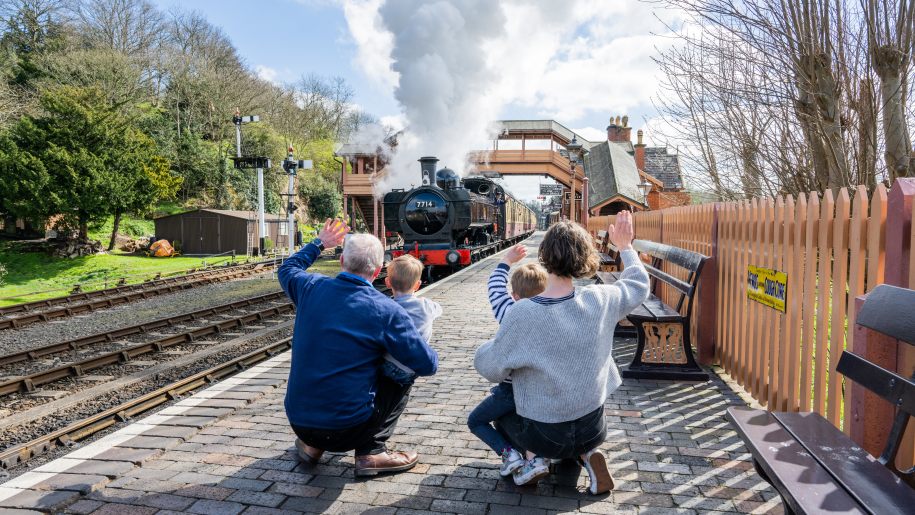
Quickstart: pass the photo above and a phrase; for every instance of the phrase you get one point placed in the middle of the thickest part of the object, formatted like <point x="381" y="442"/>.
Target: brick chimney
<point x="619" y="129"/>
<point x="639" y="151"/>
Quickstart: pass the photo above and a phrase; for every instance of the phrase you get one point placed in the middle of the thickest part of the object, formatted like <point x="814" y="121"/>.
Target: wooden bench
<point x="814" y="466"/>
<point x="608" y="262"/>
<point x="664" y="348"/>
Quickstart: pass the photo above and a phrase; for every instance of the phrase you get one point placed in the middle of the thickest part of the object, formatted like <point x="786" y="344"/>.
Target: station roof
<point x="611" y="172"/>
<point x="540" y="127"/>
<point x="663" y="166"/>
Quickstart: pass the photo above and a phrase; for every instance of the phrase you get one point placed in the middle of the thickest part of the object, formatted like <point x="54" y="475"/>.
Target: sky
<point x="579" y="66"/>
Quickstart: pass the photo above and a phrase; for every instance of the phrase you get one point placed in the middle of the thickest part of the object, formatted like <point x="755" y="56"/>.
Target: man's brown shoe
<point x="308" y="454"/>
<point x="391" y="461"/>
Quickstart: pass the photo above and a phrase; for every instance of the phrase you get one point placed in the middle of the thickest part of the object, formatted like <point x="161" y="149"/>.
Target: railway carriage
<point x="449" y="222"/>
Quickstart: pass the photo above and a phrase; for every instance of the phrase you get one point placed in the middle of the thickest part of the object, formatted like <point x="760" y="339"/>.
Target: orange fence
<point x="833" y="248"/>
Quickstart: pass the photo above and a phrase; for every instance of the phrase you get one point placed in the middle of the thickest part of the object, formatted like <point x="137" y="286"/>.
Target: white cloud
<point x="591" y="133"/>
<point x="373" y="43"/>
<point x="266" y="73"/>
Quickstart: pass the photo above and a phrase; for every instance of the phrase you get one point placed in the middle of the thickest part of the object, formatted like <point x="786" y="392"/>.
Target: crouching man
<point x="336" y="399"/>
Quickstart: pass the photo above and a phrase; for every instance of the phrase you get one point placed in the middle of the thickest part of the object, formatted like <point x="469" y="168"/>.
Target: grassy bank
<point x="36" y="276"/>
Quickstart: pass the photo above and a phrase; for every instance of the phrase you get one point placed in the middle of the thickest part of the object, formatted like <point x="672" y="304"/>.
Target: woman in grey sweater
<point x="558" y="346"/>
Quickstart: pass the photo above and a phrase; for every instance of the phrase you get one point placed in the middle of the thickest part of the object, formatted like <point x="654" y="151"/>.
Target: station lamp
<point x="645" y="189"/>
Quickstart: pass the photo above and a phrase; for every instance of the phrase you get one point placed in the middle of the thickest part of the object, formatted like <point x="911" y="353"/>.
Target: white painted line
<point x="7" y="492"/>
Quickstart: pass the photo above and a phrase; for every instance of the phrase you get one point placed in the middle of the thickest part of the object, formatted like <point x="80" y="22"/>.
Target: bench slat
<point x="654" y="309"/>
<point x="882" y="309"/>
<point x="892" y="387"/>
<point x="872" y="484"/>
<point x="804" y="484"/>
<point x="683" y="286"/>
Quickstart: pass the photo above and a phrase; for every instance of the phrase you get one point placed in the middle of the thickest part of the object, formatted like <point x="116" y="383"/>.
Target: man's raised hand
<point x="515" y="254"/>
<point x="621" y="231"/>
<point x="333" y="232"/>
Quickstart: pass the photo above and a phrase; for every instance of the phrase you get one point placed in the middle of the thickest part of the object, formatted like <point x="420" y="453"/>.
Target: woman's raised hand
<point x="621" y="231"/>
<point x="333" y="232"/>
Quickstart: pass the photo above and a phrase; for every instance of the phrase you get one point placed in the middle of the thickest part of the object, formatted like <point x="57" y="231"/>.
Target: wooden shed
<point x="218" y="231"/>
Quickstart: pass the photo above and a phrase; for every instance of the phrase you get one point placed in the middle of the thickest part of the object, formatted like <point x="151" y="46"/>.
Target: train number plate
<point x="425" y="203"/>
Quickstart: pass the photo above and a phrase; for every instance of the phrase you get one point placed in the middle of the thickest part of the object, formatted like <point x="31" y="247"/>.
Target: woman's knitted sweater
<point x="559" y="351"/>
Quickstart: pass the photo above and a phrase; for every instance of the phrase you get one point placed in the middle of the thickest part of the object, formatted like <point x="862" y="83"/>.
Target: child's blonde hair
<point x="528" y="280"/>
<point x="403" y="272"/>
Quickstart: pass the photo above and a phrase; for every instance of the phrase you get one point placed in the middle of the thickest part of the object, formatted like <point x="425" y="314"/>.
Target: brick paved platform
<point x="229" y="450"/>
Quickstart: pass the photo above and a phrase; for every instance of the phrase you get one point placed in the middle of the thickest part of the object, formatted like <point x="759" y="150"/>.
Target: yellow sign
<point x="767" y="286"/>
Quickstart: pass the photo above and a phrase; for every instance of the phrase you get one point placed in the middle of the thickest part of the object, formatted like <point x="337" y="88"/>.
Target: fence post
<point x="708" y="298"/>
<point x="871" y="415"/>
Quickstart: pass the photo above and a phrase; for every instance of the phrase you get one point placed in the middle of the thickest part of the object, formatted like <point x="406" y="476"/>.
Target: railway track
<point x="70" y="309"/>
<point x="74" y="432"/>
<point x="84" y="296"/>
<point x="29" y="382"/>
<point x="111" y="336"/>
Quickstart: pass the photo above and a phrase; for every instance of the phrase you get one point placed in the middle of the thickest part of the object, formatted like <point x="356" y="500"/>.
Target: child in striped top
<point x="527" y="281"/>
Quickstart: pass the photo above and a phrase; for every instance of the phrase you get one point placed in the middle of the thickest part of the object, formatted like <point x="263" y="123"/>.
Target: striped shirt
<point x="499" y="298"/>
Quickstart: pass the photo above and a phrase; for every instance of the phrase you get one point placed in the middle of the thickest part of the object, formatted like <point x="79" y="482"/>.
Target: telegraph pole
<point x="290" y="165"/>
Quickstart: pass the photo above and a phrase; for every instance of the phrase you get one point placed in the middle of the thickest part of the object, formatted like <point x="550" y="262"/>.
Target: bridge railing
<point x="832" y="249"/>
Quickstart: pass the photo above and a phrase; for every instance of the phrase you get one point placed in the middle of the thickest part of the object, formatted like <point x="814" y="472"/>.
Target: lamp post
<point x="574" y="149"/>
<point x="644" y="188"/>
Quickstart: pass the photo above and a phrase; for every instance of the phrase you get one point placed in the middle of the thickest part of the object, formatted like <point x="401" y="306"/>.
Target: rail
<point x="27" y="383"/>
<point x="63" y="310"/>
<point x="109" y="336"/>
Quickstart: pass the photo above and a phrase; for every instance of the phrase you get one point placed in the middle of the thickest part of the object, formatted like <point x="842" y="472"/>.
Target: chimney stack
<point x="619" y="130"/>
<point x="639" y="151"/>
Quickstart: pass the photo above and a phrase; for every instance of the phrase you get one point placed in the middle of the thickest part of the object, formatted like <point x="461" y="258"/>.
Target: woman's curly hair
<point x="567" y="251"/>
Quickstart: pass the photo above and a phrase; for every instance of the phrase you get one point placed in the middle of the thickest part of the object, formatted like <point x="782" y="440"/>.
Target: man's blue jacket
<point x="343" y="327"/>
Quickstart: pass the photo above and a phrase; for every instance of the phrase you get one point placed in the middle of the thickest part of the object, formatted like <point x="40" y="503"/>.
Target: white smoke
<point x="455" y="64"/>
<point x="445" y="83"/>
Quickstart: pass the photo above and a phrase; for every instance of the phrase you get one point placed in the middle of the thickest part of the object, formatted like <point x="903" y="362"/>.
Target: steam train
<point x="451" y="222"/>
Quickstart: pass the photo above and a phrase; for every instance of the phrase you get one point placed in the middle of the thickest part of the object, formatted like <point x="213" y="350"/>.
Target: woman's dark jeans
<point x="561" y="440"/>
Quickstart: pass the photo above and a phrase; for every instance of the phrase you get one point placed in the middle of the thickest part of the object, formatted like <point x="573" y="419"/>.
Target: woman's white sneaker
<point x="531" y="471"/>
<point x="511" y="461"/>
<point x="596" y="465"/>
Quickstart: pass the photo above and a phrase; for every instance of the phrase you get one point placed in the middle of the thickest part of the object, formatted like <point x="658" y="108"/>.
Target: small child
<point x="404" y="273"/>
<point x="527" y="281"/>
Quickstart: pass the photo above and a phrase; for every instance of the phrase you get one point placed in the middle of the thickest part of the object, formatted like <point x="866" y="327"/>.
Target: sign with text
<point x="568" y="195"/>
<point x="551" y="189"/>
<point x="768" y="287"/>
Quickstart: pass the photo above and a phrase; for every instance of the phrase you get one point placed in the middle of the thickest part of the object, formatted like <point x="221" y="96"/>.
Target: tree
<point x="80" y="159"/>
<point x="322" y="199"/>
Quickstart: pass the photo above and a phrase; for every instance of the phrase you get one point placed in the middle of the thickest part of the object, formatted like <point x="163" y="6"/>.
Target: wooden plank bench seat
<point x="813" y="465"/>
<point x="664" y="350"/>
<point x="608" y="262"/>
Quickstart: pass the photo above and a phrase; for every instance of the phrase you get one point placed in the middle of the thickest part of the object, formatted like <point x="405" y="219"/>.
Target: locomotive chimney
<point x="428" y="166"/>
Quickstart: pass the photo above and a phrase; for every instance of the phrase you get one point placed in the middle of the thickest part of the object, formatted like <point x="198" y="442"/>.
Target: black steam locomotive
<point x="448" y="221"/>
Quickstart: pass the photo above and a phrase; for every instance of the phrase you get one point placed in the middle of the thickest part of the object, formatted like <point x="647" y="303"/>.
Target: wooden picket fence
<point x="832" y="249"/>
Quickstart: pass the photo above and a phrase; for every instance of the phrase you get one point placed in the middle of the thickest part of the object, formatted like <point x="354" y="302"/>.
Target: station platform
<point x="229" y="449"/>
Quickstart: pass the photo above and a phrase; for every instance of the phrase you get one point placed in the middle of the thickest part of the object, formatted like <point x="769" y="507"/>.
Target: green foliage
<point x="80" y="159"/>
<point x="322" y="198"/>
<point x="133" y="226"/>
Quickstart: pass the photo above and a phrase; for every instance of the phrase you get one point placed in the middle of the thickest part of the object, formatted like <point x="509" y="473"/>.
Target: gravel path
<point x="136" y="312"/>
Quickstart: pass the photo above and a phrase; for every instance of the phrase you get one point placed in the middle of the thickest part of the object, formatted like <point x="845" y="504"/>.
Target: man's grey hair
<point x="362" y="254"/>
